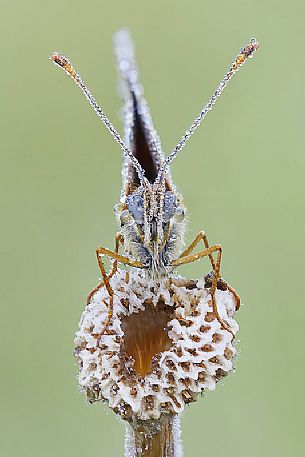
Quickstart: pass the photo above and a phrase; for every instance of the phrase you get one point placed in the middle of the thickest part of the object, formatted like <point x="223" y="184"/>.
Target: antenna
<point x="65" y="64"/>
<point x="244" y="53"/>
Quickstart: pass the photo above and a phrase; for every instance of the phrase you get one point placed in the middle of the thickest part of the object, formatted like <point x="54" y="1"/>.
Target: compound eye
<point x="126" y="217"/>
<point x="135" y="204"/>
<point x="170" y="206"/>
<point x="180" y="214"/>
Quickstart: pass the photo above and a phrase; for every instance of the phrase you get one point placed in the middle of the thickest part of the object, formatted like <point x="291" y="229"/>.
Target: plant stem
<point x="154" y="438"/>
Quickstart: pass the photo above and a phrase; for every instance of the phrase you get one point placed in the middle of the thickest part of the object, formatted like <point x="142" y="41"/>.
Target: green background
<point x="242" y="177"/>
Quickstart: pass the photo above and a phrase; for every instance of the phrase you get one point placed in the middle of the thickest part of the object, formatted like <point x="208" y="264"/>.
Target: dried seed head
<point x="164" y="345"/>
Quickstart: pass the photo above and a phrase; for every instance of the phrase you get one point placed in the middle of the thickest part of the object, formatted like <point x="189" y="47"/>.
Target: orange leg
<point x="110" y="293"/>
<point x="119" y="258"/>
<point x="206" y="253"/>
<point x="118" y="239"/>
<point x="106" y="278"/>
<point x="202" y="236"/>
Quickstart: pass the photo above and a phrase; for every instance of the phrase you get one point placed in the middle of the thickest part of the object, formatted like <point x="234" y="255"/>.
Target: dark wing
<point x="140" y="135"/>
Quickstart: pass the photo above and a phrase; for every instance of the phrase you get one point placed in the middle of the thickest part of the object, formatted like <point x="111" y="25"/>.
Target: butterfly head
<point x="152" y="220"/>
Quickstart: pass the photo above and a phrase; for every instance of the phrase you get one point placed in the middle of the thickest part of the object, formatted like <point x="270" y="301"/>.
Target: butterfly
<point x="151" y="212"/>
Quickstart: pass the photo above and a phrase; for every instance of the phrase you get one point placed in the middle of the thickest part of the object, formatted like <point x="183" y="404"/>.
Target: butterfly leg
<point x="118" y="239"/>
<point x="199" y="255"/>
<point x="119" y="258"/>
<point x="105" y="281"/>
<point x="202" y="236"/>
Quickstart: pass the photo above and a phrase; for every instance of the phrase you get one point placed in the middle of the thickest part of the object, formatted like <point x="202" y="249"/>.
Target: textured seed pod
<point x="164" y="344"/>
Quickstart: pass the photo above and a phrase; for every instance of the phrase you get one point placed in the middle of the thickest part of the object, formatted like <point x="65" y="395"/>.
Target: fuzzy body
<point x="143" y="242"/>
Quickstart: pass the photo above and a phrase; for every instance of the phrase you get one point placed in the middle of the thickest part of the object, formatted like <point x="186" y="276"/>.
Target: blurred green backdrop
<point x="242" y="176"/>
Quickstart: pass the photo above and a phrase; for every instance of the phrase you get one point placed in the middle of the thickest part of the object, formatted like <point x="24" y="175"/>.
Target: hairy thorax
<point x="156" y="258"/>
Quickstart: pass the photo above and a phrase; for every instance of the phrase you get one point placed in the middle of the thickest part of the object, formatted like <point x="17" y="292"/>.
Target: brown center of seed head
<point x="146" y="335"/>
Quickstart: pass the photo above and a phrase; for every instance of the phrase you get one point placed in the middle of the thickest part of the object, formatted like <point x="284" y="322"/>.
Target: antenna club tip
<point x="63" y="62"/>
<point x="58" y="58"/>
<point x="245" y="53"/>
<point x="250" y="48"/>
